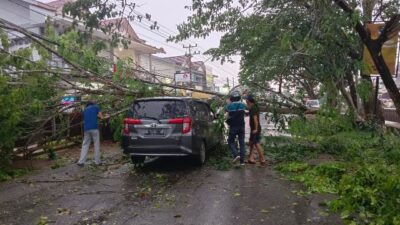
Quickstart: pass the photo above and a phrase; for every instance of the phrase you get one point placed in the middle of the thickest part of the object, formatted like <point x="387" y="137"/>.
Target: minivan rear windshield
<point x="159" y="109"/>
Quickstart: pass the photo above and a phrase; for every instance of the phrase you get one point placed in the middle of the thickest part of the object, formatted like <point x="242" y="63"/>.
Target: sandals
<point x="251" y="162"/>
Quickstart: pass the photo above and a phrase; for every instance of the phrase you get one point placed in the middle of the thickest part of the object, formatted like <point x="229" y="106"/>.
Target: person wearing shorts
<point x="255" y="131"/>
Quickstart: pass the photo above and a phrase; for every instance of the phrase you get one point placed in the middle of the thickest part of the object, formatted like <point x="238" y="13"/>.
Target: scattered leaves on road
<point x="43" y="220"/>
<point x="264" y="211"/>
<point x="63" y="211"/>
<point x="236" y="194"/>
<point x="29" y="210"/>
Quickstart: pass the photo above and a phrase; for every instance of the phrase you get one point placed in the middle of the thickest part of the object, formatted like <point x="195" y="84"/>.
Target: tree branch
<point x="391" y="29"/>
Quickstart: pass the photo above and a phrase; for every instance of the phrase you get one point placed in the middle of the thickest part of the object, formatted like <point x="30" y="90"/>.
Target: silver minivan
<point x="169" y="126"/>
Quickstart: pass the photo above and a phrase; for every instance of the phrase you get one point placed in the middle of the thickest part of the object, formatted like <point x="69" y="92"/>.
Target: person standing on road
<point x="235" y="110"/>
<point x="255" y="130"/>
<point x="91" y="132"/>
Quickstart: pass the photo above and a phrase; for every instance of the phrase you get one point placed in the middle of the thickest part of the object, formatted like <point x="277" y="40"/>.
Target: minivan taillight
<point x="187" y="125"/>
<point x="129" y="121"/>
<point x="186" y="122"/>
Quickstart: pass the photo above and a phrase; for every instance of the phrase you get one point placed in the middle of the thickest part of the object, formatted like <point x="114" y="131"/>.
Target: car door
<point x="200" y="125"/>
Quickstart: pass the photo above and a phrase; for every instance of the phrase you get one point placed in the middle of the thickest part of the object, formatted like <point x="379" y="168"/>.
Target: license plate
<point x="155" y="132"/>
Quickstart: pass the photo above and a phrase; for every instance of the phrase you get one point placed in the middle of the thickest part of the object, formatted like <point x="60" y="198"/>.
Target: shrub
<point x="371" y="195"/>
<point x="332" y="145"/>
<point x="288" y="149"/>
<point x="326" y="123"/>
<point x="323" y="178"/>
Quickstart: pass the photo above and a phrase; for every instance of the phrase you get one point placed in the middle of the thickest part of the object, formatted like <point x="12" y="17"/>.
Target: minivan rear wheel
<point x="201" y="157"/>
<point x="137" y="159"/>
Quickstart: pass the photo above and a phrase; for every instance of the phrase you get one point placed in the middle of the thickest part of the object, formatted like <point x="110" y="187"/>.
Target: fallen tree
<point x="32" y="90"/>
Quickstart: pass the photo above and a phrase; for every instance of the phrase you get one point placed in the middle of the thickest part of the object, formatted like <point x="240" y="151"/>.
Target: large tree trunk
<point x="374" y="47"/>
<point x="375" y="50"/>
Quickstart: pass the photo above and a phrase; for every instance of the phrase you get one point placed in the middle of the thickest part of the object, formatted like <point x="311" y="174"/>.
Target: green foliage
<point x="79" y="49"/>
<point x="332" y="145"/>
<point x="31" y="98"/>
<point x="366" y="180"/>
<point x="117" y="126"/>
<point x="317" y="51"/>
<point x="282" y="148"/>
<point x="220" y="158"/>
<point x="323" y="178"/>
<point x="364" y="89"/>
<point x="51" y="153"/>
<point x="370" y="195"/>
<point x="292" y="167"/>
<point x="25" y="97"/>
<point x="327" y="122"/>
<point x="10" y="117"/>
<point x="9" y="174"/>
<point x="5" y="43"/>
<point x="4" y="176"/>
<point x="302" y="44"/>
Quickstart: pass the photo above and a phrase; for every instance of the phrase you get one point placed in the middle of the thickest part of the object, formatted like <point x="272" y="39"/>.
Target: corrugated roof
<point x="58" y="3"/>
<point x="41" y="5"/>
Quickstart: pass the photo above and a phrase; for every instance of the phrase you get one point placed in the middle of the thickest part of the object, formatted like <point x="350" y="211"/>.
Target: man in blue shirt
<point x="91" y="132"/>
<point x="235" y="110"/>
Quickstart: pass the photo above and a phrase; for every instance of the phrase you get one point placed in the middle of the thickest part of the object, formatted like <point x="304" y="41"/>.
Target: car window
<point x="159" y="109"/>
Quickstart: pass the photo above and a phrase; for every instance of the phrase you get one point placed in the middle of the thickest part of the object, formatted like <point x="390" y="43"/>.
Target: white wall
<point x="159" y="66"/>
<point x="15" y="13"/>
<point x="39" y="15"/>
<point x="23" y="14"/>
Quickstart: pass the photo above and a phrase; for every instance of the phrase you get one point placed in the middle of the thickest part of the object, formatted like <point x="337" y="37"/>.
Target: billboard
<point x="182" y="77"/>
<point x="389" y="51"/>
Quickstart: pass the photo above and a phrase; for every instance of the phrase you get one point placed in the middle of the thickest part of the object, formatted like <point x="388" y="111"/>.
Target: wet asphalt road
<point x="166" y="191"/>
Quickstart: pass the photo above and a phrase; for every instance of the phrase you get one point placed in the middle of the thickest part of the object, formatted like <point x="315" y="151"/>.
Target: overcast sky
<point x="169" y="13"/>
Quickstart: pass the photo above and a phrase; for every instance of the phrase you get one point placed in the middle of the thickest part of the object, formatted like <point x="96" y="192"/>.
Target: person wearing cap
<point x="235" y="111"/>
<point x="255" y="130"/>
<point x="91" y="132"/>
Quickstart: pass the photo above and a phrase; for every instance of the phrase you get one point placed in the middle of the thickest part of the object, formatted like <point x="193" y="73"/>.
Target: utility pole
<point x="190" y="55"/>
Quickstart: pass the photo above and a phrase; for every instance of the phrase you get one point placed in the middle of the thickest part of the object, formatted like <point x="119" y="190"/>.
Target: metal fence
<point x="391" y="115"/>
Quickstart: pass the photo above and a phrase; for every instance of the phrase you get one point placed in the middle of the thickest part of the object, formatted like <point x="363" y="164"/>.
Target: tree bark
<point x="374" y="47"/>
<point x="352" y="87"/>
<point x="375" y="50"/>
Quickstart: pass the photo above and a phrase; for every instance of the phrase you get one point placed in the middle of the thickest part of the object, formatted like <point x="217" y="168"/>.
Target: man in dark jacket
<point x="236" y="112"/>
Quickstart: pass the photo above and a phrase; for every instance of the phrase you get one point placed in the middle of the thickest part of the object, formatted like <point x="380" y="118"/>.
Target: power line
<point x="141" y="25"/>
<point x="137" y="23"/>
<point x="90" y="74"/>
<point x="168" y="30"/>
<point x="55" y="43"/>
<point x="159" y="34"/>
